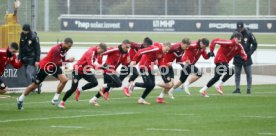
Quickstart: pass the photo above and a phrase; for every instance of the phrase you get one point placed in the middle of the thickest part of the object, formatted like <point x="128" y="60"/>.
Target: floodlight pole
<point x="46" y="15"/>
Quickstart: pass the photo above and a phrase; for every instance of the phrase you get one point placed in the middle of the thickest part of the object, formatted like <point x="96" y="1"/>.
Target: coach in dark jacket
<point x="249" y="44"/>
<point x="29" y="52"/>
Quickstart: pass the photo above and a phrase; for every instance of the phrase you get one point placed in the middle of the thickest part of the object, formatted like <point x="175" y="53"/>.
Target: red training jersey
<point x="193" y="53"/>
<point x="227" y="50"/>
<point x="5" y="60"/>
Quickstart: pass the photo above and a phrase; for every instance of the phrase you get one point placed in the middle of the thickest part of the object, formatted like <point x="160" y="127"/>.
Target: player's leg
<point x="132" y="77"/>
<point x="218" y="73"/>
<point x="149" y="84"/>
<point x="3" y="87"/>
<point x="186" y="70"/>
<point x="229" y="73"/>
<point x="74" y="86"/>
<point x="62" y="82"/>
<point x="167" y="75"/>
<point x="39" y="78"/>
<point x="193" y="77"/>
<point x="238" y="70"/>
<point x="125" y="70"/>
<point x="248" y="72"/>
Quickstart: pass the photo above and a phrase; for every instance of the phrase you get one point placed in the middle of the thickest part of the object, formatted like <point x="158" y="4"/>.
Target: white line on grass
<point x="184" y="114"/>
<point x="121" y="98"/>
<point x="163" y="129"/>
<point x="66" y="127"/>
<point x="268" y="134"/>
<point x="67" y="117"/>
<point x="262" y="117"/>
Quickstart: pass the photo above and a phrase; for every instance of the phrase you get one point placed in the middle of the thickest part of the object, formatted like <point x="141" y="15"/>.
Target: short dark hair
<point x="103" y="46"/>
<point x="126" y="41"/>
<point x="148" y="41"/>
<point x="68" y="40"/>
<point x="237" y="35"/>
<point x="167" y="44"/>
<point x="239" y="24"/>
<point x="26" y="27"/>
<point x="186" y="41"/>
<point x="205" y="41"/>
<point x="14" y="45"/>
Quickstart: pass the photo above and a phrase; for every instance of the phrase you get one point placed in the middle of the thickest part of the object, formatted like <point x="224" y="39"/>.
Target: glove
<point x="211" y="54"/>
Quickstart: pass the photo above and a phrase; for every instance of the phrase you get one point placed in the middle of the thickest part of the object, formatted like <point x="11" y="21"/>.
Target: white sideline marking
<point x="268" y="134"/>
<point x="161" y="129"/>
<point x="185" y="114"/>
<point x="66" y="127"/>
<point x="4" y="96"/>
<point x="121" y="98"/>
<point x="263" y="117"/>
<point x="67" y="117"/>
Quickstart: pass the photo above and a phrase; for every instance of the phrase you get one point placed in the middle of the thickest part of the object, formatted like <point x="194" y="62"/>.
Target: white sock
<point x="220" y="82"/>
<point x="94" y="98"/>
<point x="110" y="90"/>
<point x="21" y="98"/>
<point x="186" y="84"/>
<point x="56" y="96"/>
<point x="80" y="89"/>
<point x="171" y="90"/>
<point x="161" y="94"/>
<point x="141" y="99"/>
<point x="104" y="85"/>
<point x="204" y="89"/>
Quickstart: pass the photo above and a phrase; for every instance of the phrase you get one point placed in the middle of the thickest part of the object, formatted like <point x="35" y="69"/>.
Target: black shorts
<point x="167" y="74"/>
<point x="187" y="70"/>
<point x="42" y="74"/>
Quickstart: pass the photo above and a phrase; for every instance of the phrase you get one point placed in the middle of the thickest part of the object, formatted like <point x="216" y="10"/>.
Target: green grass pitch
<point x="228" y="115"/>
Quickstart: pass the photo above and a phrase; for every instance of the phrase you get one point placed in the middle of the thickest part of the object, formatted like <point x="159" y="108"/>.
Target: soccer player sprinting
<point x="189" y="59"/>
<point x="126" y="69"/>
<point x="148" y="57"/>
<point x="82" y="69"/>
<point x="166" y="69"/>
<point x="8" y="56"/>
<point x="50" y="65"/>
<point x="115" y="57"/>
<point x="227" y="50"/>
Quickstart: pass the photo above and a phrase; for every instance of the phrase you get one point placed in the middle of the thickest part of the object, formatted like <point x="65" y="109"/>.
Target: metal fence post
<point x="199" y="7"/>
<point x="101" y="7"/>
<point x="234" y="7"/>
<point x="166" y="7"/>
<point x="257" y="7"/>
<point x="132" y="7"/>
<point x="269" y="7"/>
<point x="68" y="6"/>
<point x="34" y="14"/>
<point x="46" y="15"/>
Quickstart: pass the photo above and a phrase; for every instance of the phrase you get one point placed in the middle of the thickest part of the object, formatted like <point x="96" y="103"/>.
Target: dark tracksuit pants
<point x="76" y="77"/>
<point x="125" y="71"/>
<point x="112" y="81"/>
<point x="148" y="84"/>
<point x="220" y="69"/>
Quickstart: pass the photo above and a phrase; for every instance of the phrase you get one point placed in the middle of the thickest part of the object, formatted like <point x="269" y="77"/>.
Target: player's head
<point x="67" y="44"/>
<point x="26" y="29"/>
<point x="203" y="43"/>
<point x="166" y="47"/>
<point x="237" y="36"/>
<point x="125" y="45"/>
<point x="185" y="43"/>
<point x="147" y="42"/>
<point x="13" y="49"/>
<point x="101" y="48"/>
<point x="240" y="26"/>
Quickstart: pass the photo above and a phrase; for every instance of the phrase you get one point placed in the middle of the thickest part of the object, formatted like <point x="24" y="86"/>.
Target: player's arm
<point x="147" y="50"/>
<point x="242" y="53"/>
<point x="220" y="42"/>
<point x="16" y="63"/>
<point x="134" y="45"/>
<point x="110" y="51"/>
<point x="205" y="55"/>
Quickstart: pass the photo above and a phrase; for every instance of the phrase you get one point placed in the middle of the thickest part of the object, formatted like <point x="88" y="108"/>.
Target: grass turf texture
<point x="246" y="115"/>
<point x="138" y="37"/>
